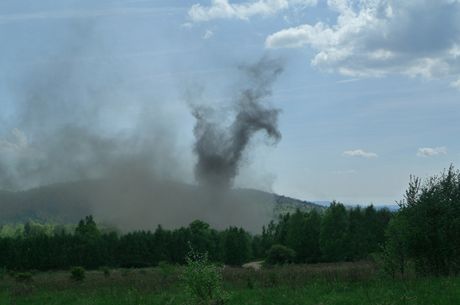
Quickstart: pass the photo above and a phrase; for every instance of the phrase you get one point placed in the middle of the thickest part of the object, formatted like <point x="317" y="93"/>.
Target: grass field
<point x="325" y="284"/>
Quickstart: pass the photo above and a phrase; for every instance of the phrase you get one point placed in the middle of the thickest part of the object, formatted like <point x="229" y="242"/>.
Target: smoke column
<point x="82" y="139"/>
<point x="219" y="148"/>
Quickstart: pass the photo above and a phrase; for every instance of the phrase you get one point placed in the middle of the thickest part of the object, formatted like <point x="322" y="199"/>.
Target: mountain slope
<point x="145" y="204"/>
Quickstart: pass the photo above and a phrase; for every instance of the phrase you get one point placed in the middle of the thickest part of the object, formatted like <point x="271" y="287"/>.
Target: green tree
<point x="88" y="246"/>
<point x="396" y="252"/>
<point x="200" y="236"/>
<point x="268" y="237"/>
<point x="312" y="252"/>
<point x="333" y="234"/>
<point x="302" y="235"/>
<point x="87" y="228"/>
<point x="356" y="232"/>
<point x="237" y="246"/>
<point x="432" y="212"/>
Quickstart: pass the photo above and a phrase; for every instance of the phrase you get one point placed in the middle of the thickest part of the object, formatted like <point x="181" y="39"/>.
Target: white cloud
<point x="360" y="153"/>
<point x="455" y="84"/>
<point x="18" y="142"/>
<point x="208" y="34"/>
<point x="418" y="38"/>
<point x="223" y="9"/>
<point x="431" y="151"/>
<point x="187" y="25"/>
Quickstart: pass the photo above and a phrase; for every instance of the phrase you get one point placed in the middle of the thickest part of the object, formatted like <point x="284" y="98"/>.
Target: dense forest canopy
<point x="313" y="237"/>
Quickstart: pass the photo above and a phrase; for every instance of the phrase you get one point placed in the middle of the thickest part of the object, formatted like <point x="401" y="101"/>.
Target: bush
<point x="166" y="271"/>
<point x="77" y="274"/>
<point x="106" y="271"/>
<point x="279" y="254"/>
<point x="395" y="251"/>
<point x="203" y="281"/>
<point x="23" y="277"/>
<point x="143" y="272"/>
<point x="250" y="282"/>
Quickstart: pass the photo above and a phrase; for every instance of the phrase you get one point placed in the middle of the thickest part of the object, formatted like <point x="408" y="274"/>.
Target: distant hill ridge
<point x="285" y="204"/>
<point x="70" y="201"/>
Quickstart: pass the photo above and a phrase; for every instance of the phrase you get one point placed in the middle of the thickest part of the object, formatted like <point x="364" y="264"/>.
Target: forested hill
<point x="69" y="202"/>
<point x="62" y="203"/>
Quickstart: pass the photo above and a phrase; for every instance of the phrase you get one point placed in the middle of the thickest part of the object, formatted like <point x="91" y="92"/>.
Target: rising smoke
<point x="220" y="148"/>
<point x="65" y="127"/>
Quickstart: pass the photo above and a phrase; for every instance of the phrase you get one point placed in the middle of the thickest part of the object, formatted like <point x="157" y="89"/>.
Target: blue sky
<point x="369" y="94"/>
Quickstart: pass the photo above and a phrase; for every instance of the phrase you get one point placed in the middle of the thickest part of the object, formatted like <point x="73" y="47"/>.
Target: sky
<point x="369" y="94"/>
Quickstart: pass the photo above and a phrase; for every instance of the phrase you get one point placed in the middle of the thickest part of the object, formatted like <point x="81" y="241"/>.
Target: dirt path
<point x="254" y="265"/>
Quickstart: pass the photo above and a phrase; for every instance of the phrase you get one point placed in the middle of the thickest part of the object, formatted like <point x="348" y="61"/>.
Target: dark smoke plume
<point x="82" y="139"/>
<point x="220" y="148"/>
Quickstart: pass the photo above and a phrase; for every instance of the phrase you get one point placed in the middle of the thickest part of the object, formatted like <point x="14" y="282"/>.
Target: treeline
<point x="424" y="235"/>
<point x="339" y="234"/>
<point x="87" y="246"/>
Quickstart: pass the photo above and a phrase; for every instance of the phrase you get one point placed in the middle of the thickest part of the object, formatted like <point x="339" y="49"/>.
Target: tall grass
<point x="298" y="275"/>
<point x="433" y="291"/>
<point x="325" y="284"/>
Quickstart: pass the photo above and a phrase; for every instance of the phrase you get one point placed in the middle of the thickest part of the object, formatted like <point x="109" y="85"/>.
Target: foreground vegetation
<point x="326" y="284"/>
<point x="354" y="256"/>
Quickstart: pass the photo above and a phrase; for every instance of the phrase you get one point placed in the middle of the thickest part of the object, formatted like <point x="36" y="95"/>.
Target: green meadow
<point x="321" y="284"/>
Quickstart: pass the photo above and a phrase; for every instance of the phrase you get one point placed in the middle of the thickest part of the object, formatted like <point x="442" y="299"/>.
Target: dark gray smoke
<point x="220" y="148"/>
<point x="77" y="117"/>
